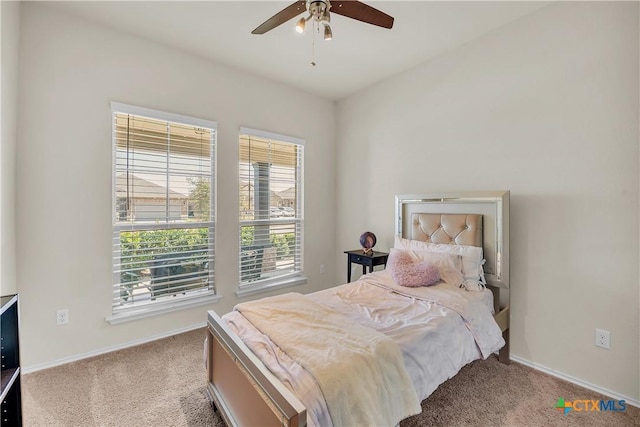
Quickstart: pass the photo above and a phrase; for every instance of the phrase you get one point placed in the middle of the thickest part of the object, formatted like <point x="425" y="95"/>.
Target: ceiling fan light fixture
<point x="328" y="35"/>
<point x="300" y="25"/>
<point x="325" y="18"/>
<point x="318" y="10"/>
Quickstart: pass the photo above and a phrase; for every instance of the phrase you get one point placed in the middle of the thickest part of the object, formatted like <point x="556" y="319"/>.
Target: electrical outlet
<point x="603" y="339"/>
<point x="62" y="316"/>
<point x="322" y="269"/>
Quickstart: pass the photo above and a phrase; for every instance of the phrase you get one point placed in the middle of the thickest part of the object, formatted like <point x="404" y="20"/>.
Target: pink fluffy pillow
<point x="409" y="271"/>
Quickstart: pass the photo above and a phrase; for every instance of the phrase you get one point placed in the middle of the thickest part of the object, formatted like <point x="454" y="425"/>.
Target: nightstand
<point x="366" y="260"/>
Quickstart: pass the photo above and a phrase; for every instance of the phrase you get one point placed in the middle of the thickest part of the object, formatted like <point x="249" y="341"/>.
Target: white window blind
<point x="271" y="216"/>
<point x="163" y="212"/>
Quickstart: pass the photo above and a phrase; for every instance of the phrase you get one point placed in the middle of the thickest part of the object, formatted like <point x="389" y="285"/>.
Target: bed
<point x="254" y="380"/>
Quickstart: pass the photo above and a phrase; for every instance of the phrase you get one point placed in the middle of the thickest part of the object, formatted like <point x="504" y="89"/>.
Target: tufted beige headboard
<point x="486" y="214"/>
<point x="451" y="229"/>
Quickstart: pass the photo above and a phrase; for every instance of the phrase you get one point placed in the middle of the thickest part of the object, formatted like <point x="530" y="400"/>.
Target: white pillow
<point x="472" y="260"/>
<point x="449" y="265"/>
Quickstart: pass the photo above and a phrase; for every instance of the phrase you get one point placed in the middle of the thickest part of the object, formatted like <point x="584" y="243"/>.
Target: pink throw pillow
<point x="411" y="272"/>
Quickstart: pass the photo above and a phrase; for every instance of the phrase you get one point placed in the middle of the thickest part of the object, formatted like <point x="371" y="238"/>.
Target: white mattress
<point x="434" y="340"/>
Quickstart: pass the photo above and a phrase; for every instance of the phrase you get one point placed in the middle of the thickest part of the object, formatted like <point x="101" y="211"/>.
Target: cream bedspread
<point x="369" y="385"/>
<point x="475" y="315"/>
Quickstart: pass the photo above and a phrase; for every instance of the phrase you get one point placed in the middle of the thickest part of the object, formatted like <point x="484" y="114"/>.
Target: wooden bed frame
<point x="247" y="393"/>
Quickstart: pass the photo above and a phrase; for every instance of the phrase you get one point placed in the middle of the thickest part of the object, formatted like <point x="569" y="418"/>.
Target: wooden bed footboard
<point x="239" y="385"/>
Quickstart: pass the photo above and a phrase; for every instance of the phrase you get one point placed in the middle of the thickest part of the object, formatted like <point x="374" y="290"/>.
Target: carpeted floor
<point x="163" y="384"/>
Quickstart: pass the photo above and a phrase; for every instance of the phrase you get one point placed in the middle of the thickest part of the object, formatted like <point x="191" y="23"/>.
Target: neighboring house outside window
<point x="163" y="212"/>
<point x="271" y="215"/>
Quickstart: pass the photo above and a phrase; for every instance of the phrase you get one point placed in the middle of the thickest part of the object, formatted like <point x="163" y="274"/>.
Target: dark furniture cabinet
<point x="10" y="395"/>
<point x="366" y="260"/>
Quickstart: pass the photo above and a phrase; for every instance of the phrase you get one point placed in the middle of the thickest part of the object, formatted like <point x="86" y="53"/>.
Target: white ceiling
<point x="359" y="54"/>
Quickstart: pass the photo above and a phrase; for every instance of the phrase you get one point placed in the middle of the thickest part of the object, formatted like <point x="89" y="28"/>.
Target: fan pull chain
<point x="313" y="44"/>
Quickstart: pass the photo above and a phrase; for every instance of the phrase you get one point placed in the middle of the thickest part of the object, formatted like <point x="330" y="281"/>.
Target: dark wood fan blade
<point x="361" y="12"/>
<point x="281" y="17"/>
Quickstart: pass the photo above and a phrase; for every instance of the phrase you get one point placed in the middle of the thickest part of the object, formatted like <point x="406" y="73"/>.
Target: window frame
<point x="293" y="278"/>
<point x="201" y="296"/>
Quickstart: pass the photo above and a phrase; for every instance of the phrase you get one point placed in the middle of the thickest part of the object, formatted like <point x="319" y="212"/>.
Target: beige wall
<point x="10" y="14"/>
<point x="546" y="107"/>
<point x="70" y="70"/>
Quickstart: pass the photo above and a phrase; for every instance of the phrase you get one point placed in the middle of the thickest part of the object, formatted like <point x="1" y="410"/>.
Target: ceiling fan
<point x="318" y="10"/>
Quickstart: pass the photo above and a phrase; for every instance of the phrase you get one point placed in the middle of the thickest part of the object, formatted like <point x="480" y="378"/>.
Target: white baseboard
<point x="65" y="360"/>
<point x="576" y="381"/>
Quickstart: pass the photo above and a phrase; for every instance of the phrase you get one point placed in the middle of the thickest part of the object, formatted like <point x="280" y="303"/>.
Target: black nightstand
<point x="369" y="260"/>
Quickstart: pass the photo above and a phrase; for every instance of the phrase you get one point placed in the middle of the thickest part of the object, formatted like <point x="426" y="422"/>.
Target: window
<point x="271" y="216"/>
<point x="163" y="211"/>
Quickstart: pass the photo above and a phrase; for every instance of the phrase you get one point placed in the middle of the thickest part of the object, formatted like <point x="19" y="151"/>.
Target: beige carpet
<point x="163" y="384"/>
